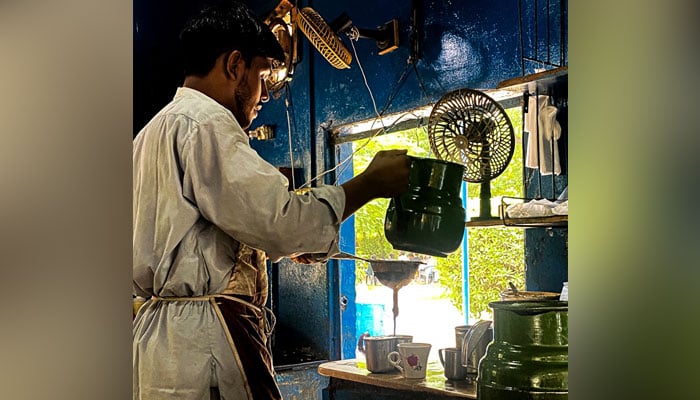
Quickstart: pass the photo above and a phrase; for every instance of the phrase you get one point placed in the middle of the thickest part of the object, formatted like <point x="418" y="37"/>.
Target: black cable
<point x="422" y="86"/>
<point x="288" y="112"/>
<point x="394" y="90"/>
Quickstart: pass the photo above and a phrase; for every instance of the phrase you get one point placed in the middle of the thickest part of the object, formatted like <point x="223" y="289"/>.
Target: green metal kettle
<point x="529" y="355"/>
<point x="429" y="218"/>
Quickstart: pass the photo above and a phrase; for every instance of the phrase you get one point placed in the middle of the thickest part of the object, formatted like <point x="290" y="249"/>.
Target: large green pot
<point x="429" y="218"/>
<point x="529" y="355"/>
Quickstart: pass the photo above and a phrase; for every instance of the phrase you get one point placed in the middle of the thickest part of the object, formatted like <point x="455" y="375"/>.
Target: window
<point x="432" y="305"/>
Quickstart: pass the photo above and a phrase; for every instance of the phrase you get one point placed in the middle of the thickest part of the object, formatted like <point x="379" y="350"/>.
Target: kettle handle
<point x="361" y="343"/>
<point x="472" y="337"/>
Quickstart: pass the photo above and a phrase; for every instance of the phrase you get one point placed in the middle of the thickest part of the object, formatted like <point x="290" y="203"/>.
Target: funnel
<point x="394" y="274"/>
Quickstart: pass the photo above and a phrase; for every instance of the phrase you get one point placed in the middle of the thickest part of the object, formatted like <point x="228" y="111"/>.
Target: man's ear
<point x="234" y="64"/>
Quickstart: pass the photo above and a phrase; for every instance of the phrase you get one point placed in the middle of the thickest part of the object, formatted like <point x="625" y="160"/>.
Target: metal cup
<point x="451" y="359"/>
<point x="403" y="339"/>
<point x="460" y="333"/>
<point x="376" y="349"/>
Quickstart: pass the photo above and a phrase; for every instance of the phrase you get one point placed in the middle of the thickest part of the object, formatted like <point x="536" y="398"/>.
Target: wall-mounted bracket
<point x="263" y="132"/>
<point x="386" y="35"/>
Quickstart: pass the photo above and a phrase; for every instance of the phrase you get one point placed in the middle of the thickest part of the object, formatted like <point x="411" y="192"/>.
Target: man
<point x="208" y="211"/>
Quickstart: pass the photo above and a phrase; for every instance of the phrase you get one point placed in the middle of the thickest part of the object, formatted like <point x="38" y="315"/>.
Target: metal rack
<point x="547" y="221"/>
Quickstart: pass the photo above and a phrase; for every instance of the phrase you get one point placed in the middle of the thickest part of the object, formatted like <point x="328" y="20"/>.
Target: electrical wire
<point x="396" y="87"/>
<point x="289" y="132"/>
<point x="422" y="86"/>
<point x="354" y="35"/>
<point x="369" y="139"/>
<point x="344" y="164"/>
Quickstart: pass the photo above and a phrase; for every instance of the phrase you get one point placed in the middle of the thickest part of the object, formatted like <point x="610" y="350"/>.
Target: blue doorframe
<point x="346" y="268"/>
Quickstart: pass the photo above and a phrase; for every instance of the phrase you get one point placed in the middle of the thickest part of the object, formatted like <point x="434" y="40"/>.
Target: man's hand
<point x="387" y="173"/>
<point x="385" y="176"/>
<point x="304" y="258"/>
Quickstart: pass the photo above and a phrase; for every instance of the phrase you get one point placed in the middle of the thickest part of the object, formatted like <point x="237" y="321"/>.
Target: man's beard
<point x="242" y="98"/>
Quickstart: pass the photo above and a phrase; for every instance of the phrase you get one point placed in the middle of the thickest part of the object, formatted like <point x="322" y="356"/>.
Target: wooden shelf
<point x="549" y="221"/>
<point x="484" y="222"/>
<point x="434" y="386"/>
<point x="552" y="221"/>
<point x="542" y="82"/>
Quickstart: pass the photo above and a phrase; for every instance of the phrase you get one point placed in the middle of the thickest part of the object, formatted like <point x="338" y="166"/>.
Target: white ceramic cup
<point x="411" y="359"/>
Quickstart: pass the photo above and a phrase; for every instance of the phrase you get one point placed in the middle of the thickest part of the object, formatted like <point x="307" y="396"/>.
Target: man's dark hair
<point x="221" y="28"/>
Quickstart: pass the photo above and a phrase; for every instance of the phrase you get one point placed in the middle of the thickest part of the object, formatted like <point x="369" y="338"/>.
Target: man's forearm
<point x="357" y="193"/>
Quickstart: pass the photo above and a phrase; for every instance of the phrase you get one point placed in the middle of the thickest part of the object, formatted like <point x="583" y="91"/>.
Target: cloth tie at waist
<point x="263" y="313"/>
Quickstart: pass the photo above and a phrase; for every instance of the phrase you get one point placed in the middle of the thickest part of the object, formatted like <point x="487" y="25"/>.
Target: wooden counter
<point x="434" y="386"/>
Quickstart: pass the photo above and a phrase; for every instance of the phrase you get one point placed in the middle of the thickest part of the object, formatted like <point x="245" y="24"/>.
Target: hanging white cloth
<point x="543" y="117"/>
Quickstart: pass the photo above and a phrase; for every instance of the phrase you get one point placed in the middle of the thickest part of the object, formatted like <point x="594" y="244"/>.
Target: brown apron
<point x="249" y="323"/>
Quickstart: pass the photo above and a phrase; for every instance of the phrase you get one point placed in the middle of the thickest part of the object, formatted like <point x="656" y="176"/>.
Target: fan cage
<point x="323" y="39"/>
<point x="470" y="128"/>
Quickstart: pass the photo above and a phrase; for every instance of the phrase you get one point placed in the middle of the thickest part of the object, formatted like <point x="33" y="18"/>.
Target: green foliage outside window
<point x="496" y="255"/>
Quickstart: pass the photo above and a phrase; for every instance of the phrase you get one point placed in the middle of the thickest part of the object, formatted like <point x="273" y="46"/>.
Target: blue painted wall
<point x="302" y="383"/>
<point x="547" y="250"/>
<point x="474" y="44"/>
<point x="463" y="44"/>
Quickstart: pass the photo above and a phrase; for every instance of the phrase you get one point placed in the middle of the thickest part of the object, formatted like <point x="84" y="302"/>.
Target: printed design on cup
<point x="410" y="359"/>
<point x="413" y="362"/>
